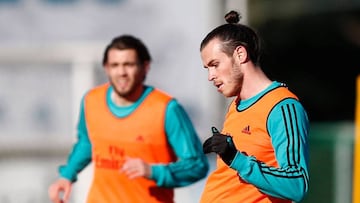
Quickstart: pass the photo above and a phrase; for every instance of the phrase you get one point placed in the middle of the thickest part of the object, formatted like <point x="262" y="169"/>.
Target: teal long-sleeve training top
<point x="191" y="166"/>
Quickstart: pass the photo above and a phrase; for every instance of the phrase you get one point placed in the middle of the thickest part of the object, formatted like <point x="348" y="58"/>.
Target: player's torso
<point x="140" y="134"/>
<point x="248" y="129"/>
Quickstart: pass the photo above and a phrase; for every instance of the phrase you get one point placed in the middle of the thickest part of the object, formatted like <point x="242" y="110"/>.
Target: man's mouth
<point x="218" y="85"/>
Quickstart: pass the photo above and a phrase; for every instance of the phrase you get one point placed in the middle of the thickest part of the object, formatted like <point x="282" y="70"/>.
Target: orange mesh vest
<point x="250" y="135"/>
<point x="140" y="134"/>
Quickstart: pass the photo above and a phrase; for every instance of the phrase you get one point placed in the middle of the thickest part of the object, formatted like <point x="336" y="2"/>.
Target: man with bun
<point x="262" y="147"/>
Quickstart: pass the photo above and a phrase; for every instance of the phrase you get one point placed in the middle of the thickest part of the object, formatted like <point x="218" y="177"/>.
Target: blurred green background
<point x="331" y="158"/>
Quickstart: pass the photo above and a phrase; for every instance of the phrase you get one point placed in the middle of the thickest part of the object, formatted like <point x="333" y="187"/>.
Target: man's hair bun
<point x="232" y="17"/>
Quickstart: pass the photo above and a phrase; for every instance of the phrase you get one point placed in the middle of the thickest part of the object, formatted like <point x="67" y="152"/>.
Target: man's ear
<point x="241" y="54"/>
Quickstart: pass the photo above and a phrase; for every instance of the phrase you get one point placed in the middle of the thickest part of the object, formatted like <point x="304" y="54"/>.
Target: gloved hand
<point x="221" y="144"/>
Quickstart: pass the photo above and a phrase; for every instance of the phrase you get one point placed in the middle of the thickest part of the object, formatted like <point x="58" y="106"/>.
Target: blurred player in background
<point x="262" y="147"/>
<point x="141" y="141"/>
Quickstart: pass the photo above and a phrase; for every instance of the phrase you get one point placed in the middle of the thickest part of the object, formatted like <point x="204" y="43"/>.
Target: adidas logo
<point x="246" y="130"/>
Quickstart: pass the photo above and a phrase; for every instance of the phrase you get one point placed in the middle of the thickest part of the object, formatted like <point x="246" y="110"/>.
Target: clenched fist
<point x="221" y="144"/>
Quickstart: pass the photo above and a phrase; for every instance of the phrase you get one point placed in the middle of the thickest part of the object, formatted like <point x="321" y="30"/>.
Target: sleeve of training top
<point x="288" y="126"/>
<point x="192" y="164"/>
<point x="80" y="155"/>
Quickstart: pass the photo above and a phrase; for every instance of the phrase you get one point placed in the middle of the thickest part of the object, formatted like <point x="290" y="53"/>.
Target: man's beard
<point x="128" y="93"/>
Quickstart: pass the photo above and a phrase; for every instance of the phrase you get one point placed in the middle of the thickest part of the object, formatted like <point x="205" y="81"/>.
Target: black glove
<point x="221" y="144"/>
